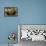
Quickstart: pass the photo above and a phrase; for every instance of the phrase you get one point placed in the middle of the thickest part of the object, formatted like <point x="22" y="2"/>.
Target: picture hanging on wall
<point x="10" y="11"/>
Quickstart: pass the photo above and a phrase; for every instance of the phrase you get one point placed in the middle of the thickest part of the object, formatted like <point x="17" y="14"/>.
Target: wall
<point x="29" y="12"/>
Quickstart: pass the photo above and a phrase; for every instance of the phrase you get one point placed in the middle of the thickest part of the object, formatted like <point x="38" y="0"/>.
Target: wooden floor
<point x="30" y="43"/>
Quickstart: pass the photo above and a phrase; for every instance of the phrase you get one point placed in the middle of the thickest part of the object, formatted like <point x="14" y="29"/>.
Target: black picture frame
<point x="10" y="11"/>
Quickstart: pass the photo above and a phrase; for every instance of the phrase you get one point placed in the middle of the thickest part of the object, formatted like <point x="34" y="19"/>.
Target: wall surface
<point x="29" y="12"/>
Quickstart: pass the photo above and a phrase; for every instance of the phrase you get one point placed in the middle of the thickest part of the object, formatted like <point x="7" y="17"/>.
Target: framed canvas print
<point x="32" y="32"/>
<point x="10" y="11"/>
